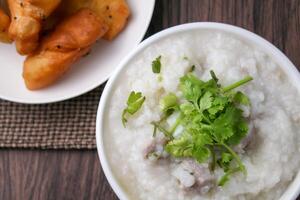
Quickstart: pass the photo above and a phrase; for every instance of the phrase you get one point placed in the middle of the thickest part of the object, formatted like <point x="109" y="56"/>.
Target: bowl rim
<point x="292" y="72"/>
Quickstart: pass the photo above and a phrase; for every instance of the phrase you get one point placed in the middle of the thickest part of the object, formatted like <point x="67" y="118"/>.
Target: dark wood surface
<point x="33" y="174"/>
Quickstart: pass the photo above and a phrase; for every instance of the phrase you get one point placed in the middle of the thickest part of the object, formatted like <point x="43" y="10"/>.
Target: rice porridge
<point x="271" y="155"/>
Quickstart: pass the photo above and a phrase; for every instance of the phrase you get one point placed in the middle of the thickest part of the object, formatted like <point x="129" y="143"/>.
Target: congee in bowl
<point x="203" y="114"/>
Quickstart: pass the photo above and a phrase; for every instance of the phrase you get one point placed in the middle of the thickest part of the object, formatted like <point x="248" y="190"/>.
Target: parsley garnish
<point x="134" y="103"/>
<point x="213" y="123"/>
<point x="156" y="65"/>
<point x="168" y="104"/>
<point x="211" y="119"/>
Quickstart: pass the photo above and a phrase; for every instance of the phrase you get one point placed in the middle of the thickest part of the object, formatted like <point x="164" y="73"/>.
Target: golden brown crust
<point x="27" y="16"/>
<point x="70" y="40"/>
<point x="45" y="68"/>
<point x="4" y="24"/>
<point x="114" y="13"/>
<point x="76" y="31"/>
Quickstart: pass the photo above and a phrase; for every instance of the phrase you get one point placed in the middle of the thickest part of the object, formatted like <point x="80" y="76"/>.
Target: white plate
<point x="85" y="75"/>
<point x="117" y="78"/>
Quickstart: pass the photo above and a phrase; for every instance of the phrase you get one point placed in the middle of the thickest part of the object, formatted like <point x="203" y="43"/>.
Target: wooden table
<point x="37" y="174"/>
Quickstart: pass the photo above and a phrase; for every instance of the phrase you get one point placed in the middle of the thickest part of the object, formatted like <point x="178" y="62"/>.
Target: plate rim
<point x="87" y="89"/>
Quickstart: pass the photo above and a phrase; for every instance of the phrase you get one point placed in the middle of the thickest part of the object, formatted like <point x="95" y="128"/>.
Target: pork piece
<point x="155" y="149"/>
<point x="192" y="175"/>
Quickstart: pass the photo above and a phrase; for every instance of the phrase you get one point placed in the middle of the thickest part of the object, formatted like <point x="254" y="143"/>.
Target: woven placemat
<point x="64" y="125"/>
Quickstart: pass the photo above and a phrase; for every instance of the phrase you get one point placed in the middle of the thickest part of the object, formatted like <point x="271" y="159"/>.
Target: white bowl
<point x="294" y="188"/>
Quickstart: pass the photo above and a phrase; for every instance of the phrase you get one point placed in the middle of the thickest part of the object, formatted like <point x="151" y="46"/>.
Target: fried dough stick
<point x="70" y="40"/>
<point x="27" y="16"/>
<point x="4" y="24"/>
<point x="114" y="13"/>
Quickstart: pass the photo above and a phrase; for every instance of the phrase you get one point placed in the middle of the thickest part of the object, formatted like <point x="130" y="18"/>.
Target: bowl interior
<point x="118" y="77"/>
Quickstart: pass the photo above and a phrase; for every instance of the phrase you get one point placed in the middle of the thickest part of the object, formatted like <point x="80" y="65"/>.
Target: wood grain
<point x="51" y="175"/>
<point x="77" y="174"/>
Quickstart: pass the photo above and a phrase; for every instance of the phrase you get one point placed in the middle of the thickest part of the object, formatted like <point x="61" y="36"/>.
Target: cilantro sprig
<point x="134" y="103"/>
<point x="213" y="123"/>
<point x="211" y="118"/>
<point x="156" y="65"/>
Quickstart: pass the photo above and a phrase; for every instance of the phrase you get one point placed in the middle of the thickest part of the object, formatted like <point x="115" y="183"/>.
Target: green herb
<point x="225" y="160"/>
<point x="237" y="84"/>
<point x="156" y="65"/>
<point x="190" y="146"/>
<point x="193" y="67"/>
<point x="213" y="123"/>
<point x="176" y="124"/>
<point x="241" y="98"/>
<point x="213" y="75"/>
<point x="226" y="176"/>
<point x="226" y="157"/>
<point x="168" y="103"/>
<point x="211" y="119"/>
<point x="157" y="126"/>
<point x="134" y="103"/>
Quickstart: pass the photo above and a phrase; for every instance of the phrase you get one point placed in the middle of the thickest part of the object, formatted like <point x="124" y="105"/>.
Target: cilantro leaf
<point x="186" y="146"/>
<point x="226" y="157"/>
<point x="230" y="127"/>
<point x="223" y="125"/>
<point x="156" y="65"/>
<point x="212" y="86"/>
<point x="218" y="105"/>
<point x="200" y="137"/>
<point x="187" y="108"/>
<point x="181" y="147"/>
<point x="134" y="103"/>
<point x="168" y="103"/>
<point x="213" y="123"/>
<point x="201" y="154"/>
<point x="225" y="161"/>
<point x="226" y="176"/>
<point x="241" y="98"/>
<point x="241" y="131"/>
<point x="206" y="101"/>
<point x="224" y="179"/>
<point x="211" y="119"/>
<point x="190" y="86"/>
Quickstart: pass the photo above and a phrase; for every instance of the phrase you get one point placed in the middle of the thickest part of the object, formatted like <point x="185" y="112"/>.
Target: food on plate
<point x="54" y="35"/>
<point x="27" y="16"/>
<point x="114" y="12"/>
<point x="71" y="39"/>
<point x="203" y="115"/>
<point x="4" y="24"/>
